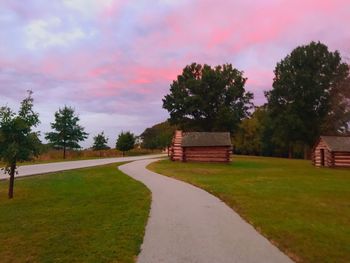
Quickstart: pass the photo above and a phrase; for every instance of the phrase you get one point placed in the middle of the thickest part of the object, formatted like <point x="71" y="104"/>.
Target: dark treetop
<point x="67" y="132"/>
<point x="100" y="142"/>
<point x="18" y="142"/>
<point x="203" y="98"/>
<point x="158" y="136"/>
<point x="125" y="141"/>
<point x="302" y="99"/>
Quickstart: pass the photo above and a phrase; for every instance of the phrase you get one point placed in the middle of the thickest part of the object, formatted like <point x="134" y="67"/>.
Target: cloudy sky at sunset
<point x="114" y="60"/>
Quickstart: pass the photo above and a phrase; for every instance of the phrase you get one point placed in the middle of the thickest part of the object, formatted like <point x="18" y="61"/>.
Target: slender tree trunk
<point x="290" y="151"/>
<point x="12" y="180"/>
<point x="64" y="152"/>
<point x="123" y="153"/>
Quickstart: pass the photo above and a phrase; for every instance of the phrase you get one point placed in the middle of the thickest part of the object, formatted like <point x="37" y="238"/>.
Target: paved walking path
<point x="189" y="225"/>
<point x="27" y="170"/>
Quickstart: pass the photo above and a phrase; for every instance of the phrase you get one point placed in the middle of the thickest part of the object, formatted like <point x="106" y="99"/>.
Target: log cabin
<point x="201" y="147"/>
<point x="332" y="151"/>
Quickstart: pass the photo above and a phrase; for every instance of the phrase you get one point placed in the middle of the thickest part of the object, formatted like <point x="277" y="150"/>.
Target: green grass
<point x="304" y="210"/>
<point x="87" y="215"/>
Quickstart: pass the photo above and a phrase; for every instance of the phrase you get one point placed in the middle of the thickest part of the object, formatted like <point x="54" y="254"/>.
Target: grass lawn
<point x="88" y="215"/>
<point x="304" y="210"/>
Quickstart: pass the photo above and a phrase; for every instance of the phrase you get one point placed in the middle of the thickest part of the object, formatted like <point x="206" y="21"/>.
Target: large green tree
<point x="158" y="136"/>
<point x="305" y="83"/>
<point x="125" y="142"/>
<point x="203" y="98"/>
<point x="100" y="143"/>
<point x="18" y="141"/>
<point x="67" y="132"/>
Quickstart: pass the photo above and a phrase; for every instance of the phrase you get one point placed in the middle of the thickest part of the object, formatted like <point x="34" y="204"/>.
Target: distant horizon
<point x="113" y="61"/>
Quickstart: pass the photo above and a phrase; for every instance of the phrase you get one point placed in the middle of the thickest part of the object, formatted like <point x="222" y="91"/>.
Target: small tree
<point x="125" y="142"/>
<point x="100" y="143"/>
<point x="68" y="133"/>
<point x="17" y="140"/>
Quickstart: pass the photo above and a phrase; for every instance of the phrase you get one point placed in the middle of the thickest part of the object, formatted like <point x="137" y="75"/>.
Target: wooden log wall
<point x="328" y="157"/>
<point x="341" y="159"/>
<point x="176" y="149"/>
<point x="207" y="154"/>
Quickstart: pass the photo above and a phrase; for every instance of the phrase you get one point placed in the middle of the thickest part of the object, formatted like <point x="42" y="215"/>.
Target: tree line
<point x="310" y="96"/>
<point x="18" y="141"/>
<point x="67" y="134"/>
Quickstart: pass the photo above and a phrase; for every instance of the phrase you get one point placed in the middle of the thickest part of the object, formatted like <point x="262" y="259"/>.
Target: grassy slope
<point x="305" y="210"/>
<point x="88" y="215"/>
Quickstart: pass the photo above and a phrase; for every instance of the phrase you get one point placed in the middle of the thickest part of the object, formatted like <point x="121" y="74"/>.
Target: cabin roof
<point x="191" y="139"/>
<point x="337" y="143"/>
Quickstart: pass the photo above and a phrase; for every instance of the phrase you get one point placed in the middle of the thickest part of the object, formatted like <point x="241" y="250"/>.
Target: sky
<point x="114" y="60"/>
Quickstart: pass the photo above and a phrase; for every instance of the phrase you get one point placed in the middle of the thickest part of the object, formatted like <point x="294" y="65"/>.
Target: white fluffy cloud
<point x="51" y="32"/>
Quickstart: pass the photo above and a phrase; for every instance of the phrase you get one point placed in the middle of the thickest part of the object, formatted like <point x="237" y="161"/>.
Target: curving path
<point x="189" y="225"/>
<point x="27" y="170"/>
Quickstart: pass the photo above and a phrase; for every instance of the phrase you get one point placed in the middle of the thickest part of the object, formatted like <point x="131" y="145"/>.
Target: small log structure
<point x="201" y="147"/>
<point x="332" y="151"/>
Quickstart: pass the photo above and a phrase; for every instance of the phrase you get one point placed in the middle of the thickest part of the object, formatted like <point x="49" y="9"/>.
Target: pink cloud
<point x="236" y="24"/>
<point x="112" y="9"/>
<point x="137" y="52"/>
<point x="259" y="77"/>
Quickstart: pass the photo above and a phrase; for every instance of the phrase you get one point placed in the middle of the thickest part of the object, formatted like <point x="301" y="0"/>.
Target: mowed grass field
<point x="304" y="210"/>
<point x="87" y="215"/>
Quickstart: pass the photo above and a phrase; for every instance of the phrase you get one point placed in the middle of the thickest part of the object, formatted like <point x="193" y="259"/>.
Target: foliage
<point x="208" y="99"/>
<point x="303" y="210"/>
<point x="158" y="136"/>
<point x="125" y="142"/>
<point x="95" y="214"/>
<point x="248" y="138"/>
<point x="337" y="120"/>
<point x="305" y="83"/>
<point x="255" y="136"/>
<point x="18" y="142"/>
<point x="68" y="133"/>
<point x="100" y="142"/>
